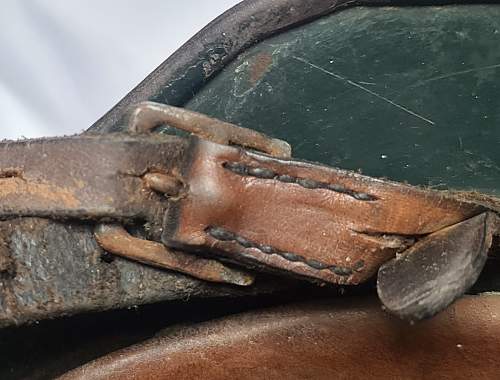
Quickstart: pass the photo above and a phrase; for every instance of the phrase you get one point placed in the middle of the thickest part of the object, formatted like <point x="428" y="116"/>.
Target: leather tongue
<point x="436" y="270"/>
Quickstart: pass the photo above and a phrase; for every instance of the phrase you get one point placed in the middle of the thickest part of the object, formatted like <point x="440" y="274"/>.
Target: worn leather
<point x="310" y="220"/>
<point x="348" y="339"/>
<point x="86" y="177"/>
<point x="280" y="215"/>
<point x="51" y="265"/>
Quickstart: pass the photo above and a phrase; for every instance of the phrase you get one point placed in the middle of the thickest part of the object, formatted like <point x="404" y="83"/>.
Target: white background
<point x="64" y="63"/>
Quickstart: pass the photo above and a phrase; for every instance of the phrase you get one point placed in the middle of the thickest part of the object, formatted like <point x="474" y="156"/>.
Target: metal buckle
<point x="144" y="118"/>
<point x="149" y="115"/>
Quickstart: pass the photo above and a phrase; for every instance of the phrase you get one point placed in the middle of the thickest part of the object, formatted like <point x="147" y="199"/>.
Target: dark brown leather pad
<point x="341" y="339"/>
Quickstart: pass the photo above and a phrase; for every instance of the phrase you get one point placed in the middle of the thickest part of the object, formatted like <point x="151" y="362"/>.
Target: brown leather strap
<point x="86" y="177"/>
<point x="350" y="339"/>
<point x="274" y="213"/>
<point x="280" y="214"/>
<point x="311" y="220"/>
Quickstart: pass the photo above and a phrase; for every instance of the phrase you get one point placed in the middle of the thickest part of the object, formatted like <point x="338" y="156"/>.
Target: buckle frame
<point x="149" y="115"/>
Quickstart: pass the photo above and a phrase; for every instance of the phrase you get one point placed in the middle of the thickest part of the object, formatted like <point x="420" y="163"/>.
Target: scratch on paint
<point x="456" y="73"/>
<point x="357" y="85"/>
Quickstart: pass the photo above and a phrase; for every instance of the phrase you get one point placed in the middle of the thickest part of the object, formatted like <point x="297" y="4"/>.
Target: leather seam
<point x="265" y="173"/>
<point x="222" y="234"/>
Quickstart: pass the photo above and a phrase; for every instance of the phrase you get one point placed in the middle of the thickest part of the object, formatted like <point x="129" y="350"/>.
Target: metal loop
<point x="148" y="115"/>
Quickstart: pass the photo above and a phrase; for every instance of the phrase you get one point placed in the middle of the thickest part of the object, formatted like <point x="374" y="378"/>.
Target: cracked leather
<point x="86" y="177"/>
<point x="49" y="269"/>
<point x="53" y="267"/>
<point x="281" y="215"/>
<point x="309" y="220"/>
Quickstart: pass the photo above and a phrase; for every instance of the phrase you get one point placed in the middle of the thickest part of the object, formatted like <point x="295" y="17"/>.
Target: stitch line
<point x="264" y="173"/>
<point x="222" y="234"/>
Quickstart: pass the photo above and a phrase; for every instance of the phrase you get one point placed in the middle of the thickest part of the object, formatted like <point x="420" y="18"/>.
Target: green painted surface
<point x="411" y="94"/>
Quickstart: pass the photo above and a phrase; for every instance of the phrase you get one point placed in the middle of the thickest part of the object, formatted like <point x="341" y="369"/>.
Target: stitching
<point x="222" y="234"/>
<point x="265" y="173"/>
